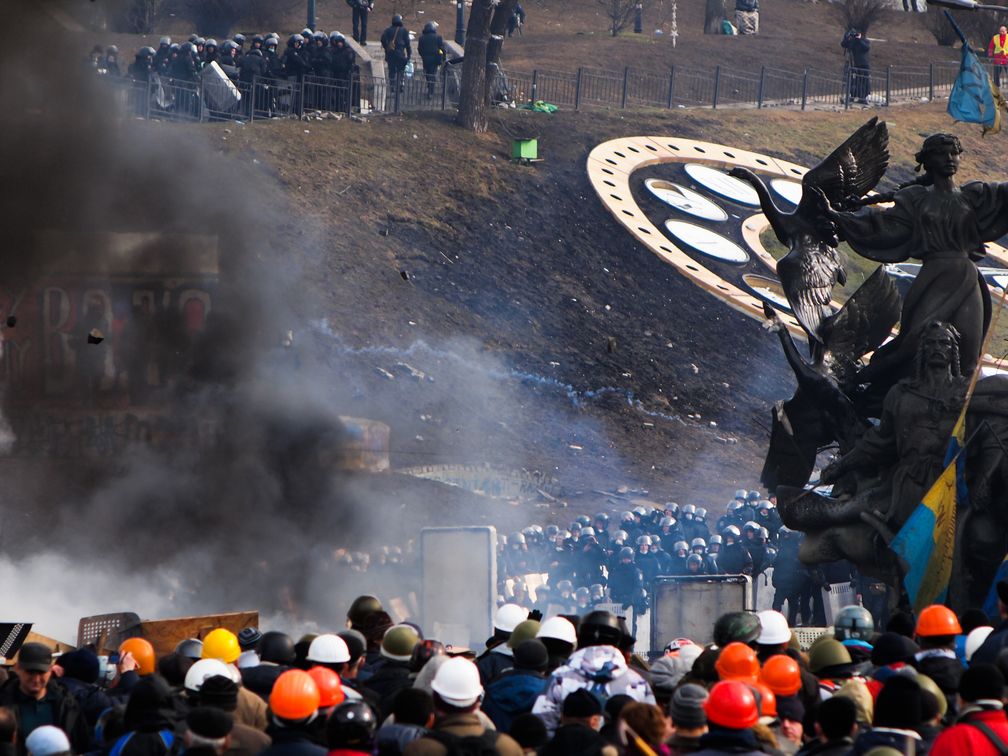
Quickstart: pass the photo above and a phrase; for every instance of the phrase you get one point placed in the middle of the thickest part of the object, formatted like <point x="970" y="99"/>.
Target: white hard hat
<point x="976" y="638"/>
<point x="247" y="659"/>
<point x="47" y="740"/>
<point x="203" y="669"/>
<point x="508" y="617"/>
<point x="457" y="682"/>
<point x="558" y="628"/>
<point x="775" y="628"/>
<point x="328" y="649"/>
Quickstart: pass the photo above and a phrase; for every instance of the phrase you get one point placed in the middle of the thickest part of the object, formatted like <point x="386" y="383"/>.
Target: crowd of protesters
<point x="564" y="684"/>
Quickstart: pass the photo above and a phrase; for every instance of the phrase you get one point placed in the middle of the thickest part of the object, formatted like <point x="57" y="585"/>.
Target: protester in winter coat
<point x="577" y="731"/>
<point x="38" y="700"/>
<point x="395" y="42"/>
<point x="982" y="728"/>
<point x="515" y="691"/>
<point x="431" y="50"/>
<point x="412" y="718"/>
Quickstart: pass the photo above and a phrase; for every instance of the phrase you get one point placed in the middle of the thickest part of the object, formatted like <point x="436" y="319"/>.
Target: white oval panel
<point x="789" y="190"/>
<point x="767" y="289"/>
<point x="722" y="184"/>
<point x="685" y="200"/>
<point x="707" y="242"/>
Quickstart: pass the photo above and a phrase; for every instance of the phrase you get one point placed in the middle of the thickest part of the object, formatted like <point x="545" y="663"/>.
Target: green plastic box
<point x="525" y="149"/>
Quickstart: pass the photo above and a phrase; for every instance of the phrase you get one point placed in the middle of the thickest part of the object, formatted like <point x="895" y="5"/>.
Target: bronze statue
<point x="914" y="384"/>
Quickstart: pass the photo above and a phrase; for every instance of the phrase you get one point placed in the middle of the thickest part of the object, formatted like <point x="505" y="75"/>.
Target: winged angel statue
<point x="885" y="402"/>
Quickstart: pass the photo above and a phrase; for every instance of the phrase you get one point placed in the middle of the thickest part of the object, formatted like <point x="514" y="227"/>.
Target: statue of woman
<point x="944" y="226"/>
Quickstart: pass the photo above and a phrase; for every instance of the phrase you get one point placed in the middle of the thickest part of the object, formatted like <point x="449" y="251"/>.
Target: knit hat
<point x="248" y="638"/>
<point x="981" y="681"/>
<point x="890" y="648"/>
<point x="531" y="654"/>
<point x="790" y="708"/>
<point x="667" y="671"/>
<point x="47" y="740"/>
<point x="210" y="723"/>
<point x="219" y="692"/>
<point x="81" y="664"/>
<point x="581" y="704"/>
<point x="356" y="643"/>
<point x="686" y="707"/>
<point x="899" y="704"/>
<point x="529" y="731"/>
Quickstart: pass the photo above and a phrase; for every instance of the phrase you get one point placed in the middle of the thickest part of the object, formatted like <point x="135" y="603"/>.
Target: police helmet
<point x="666" y="522"/>
<point x="853" y="623"/>
<point x="175" y="47"/>
<point x="716" y="540"/>
<point x="430" y="26"/>
<point x="147" y="52"/>
<point x="397" y="20"/>
<point x="306" y="32"/>
<point x="626" y="517"/>
<point x="733" y="531"/>
<point x="602" y="517"/>
<point x="193" y="37"/>
<point x="695" y="561"/>
<point x="188" y="47"/>
<point x="111" y="50"/>
<point x="516" y="539"/>
<point x="698" y="543"/>
<point x="734" y="506"/>
<point x="700" y="514"/>
<point x="765" y="504"/>
<point x="239" y="39"/>
<point x="199" y="41"/>
<point x="294" y="39"/>
<point x="583" y="520"/>
<point x="764" y="534"/>
<point x="644" y="540"/>
<point x="211" y="43"/>
<point x="620" y="537"/>
<point x="258" y="38"/>
<point x="640" y="511"/>
<point x="551" y="531"/>
<point x="565" y="586"/>
<point x="256" y="52"/>
<point x="596" y="591"/>
<point x="751" y="527"/>
<point x="689" y="509"/>
<point x="672" y="508"/>
<point x="271" y="42"/>
<point x="680" y="546"/>
<point x="582" y="594"/>
<point x="588" y="532"/>
<point x="626" y="553"/>
<point x="741" y="494"/>
<point x="599" y="628"/>
<point x="753" y="496"/>
<point x="164" y="42"/>
<point x="336" y="37"/>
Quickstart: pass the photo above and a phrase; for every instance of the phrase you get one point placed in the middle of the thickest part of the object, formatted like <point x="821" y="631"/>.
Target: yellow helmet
<point x="221" y="644"/>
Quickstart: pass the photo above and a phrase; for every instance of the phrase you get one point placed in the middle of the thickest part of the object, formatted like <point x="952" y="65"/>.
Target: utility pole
<point x="311" y="15"/>
<point x="460" y="22"/>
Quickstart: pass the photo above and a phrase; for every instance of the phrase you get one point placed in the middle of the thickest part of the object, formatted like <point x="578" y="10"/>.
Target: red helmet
<point x="732" y="704"/>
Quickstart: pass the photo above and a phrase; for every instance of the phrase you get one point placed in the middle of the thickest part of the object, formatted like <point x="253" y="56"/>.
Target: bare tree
<point x="619" y="13"/>
<point x="860" y="14"/>
<point x="488" y="21"/>
<point x="713" y="15"/>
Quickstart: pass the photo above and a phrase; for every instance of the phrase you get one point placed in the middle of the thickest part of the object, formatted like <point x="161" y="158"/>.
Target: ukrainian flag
<point x="927" y="539"/>
<point x="974" y="97"/>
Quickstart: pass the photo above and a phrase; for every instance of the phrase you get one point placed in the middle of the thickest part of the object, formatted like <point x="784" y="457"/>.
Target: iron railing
<point x="679" y="87"/>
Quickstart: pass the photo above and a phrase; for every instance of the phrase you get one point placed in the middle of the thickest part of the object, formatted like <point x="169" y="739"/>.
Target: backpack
<point x="467" y="745"/>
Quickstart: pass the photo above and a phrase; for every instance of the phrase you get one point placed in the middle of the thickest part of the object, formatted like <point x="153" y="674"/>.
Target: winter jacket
<point x="721" y="740"/>
<point x="461" y="726"/>
<point x="988" y="651"/>
<point x="735" y="560"/>
<point x="579" y="739"/>
<point x="250" y="67"/>
<point x="904" y="741"/>
<point x="91" y="699"/>
<point x="601" y="670"/>
<point x="291" y="741"/>
<point x="493" y="663"/>
<point x="343" y="60"/>
<point x="247" y="741"/>
<point x="57" y="707"/>
<point x="431" y="47"/>
<point x="840" y="747"/>
<point x="295" y="63"/>
<point x="966" y="738"/>
<point x="681" y="744"/>
<point x="387" y="681"/>
<point x="395" y="42"/>
<point x="514" y="692"/>
<point x="393" y="738"/>
<point x="252" y="710"/>
<point x="945" y="669"/>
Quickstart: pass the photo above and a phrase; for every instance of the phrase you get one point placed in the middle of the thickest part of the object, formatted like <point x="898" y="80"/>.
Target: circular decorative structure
<point x="787" y="189"/>
<point x="768" y="289"/>
<point x="707" y="242"/>
<point x="685" y="200"/>
<point x="722" y="184"/>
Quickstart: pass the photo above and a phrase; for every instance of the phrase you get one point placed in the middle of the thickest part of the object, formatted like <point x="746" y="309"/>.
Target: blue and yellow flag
<point x="974" y="97"/>
<point x="927" y="539"/>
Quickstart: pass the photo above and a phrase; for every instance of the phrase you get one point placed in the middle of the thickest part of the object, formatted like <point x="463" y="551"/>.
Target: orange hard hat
<point x="328" y="683"/>
<point x="295" y="695"/>
<point x="767" y="700"/>
<point x="142" y="651"/>
<point x="782" y="675"/>
<point x="731" y="704"/>
<point x="937" y="620"/>
<point x="737" y="662"/>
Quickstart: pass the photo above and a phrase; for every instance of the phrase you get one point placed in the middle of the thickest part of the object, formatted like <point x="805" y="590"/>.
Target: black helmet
<point x="582" y="520"/>
<point x="423" y="652"/>
<point x="147" y="52"/>
<point x="174" y="47"/>
<point x="257" y="38"/>
<point x="551" y="531"/>
<point x="191" y="648"/>
<point x="743" y="627"/>
<point x="352" y="723"/>
<point x="256" y="52"/>
<point x="239" y="38"/>
<point x="626" y="553"/>
<point x="602" y="517"/>
<point x="164" y="42"/>
<point x="111" y="50"/>
<point x="599" y="628"/>
<point x="733" y="531"/>
<point x="396" y="20"/>
<point x="753" y="496"/>
<point x="294" y="39"/>
<point x="211" y="43"/>
<point x="277" y="648"/>
<point x="694" y="560"/>
<point x="680" y="546"/>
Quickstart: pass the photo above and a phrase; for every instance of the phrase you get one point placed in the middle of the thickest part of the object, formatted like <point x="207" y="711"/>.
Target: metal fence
<point x="680" y="87"/>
